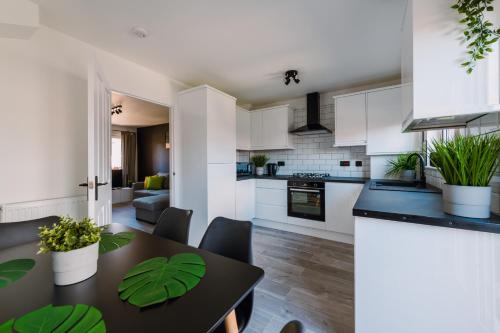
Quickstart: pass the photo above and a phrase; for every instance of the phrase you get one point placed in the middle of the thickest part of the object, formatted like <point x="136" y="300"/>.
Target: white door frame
<point x="171" y="129"/>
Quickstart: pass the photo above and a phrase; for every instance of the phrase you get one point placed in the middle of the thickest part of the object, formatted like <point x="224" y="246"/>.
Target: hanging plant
<point x="479" y="32"/>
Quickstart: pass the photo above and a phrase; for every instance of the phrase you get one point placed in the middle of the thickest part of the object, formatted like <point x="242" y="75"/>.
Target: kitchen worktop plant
<point x="74" y="246"/>
<point x="259" y="161"/>
<point x="403" y="166"/>
<point x="467" y="164"/>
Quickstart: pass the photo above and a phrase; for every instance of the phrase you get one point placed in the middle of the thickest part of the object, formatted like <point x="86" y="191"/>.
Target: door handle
<point x="96" y="187"/>
<point x="87" y="186"/>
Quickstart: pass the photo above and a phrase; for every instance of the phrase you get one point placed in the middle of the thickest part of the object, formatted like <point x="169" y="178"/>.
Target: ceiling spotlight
<point x="139" y="32"/>
<point x="117" y="109"/>
<point x="291" y="75"/>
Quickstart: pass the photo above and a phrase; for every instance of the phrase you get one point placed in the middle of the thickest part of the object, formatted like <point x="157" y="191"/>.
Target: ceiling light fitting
<point x="139" y="32"/>
<point x="291" y="75"/>
<point x="117" y="109"/>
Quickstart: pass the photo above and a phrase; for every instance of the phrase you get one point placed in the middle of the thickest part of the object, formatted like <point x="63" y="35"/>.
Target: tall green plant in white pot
<point x="259" y="161"/>
<point x="467" y="164"/>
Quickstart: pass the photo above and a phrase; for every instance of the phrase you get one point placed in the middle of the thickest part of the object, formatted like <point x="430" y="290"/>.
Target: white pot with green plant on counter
<point x="259" y="161"/>
<point x="74" y="247"/>
<point x="403" y="166"/>
<point x="467" y="164"/>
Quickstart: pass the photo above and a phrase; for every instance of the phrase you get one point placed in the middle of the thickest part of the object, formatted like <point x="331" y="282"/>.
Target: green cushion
<point x="146" y="182"/>
<point x="155" y="183"/>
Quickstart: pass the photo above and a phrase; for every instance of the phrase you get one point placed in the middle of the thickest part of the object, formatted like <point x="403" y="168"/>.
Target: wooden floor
<point x="307" y="278"/>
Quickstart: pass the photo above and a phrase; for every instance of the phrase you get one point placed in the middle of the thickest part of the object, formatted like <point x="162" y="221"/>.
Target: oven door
<point x="306" y="203"/>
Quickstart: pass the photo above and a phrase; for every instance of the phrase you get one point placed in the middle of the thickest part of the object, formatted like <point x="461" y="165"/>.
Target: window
<point x="116" y="150"/>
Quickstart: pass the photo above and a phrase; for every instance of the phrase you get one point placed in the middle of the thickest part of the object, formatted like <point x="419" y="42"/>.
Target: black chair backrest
<point x="173" y="224"/>
<point x="232" y="239"/>
<point x="294" y="326"/>
<point x="17" y="233"/>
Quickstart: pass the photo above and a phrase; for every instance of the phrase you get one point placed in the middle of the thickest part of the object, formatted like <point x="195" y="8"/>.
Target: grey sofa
<point x="149" y="204"/>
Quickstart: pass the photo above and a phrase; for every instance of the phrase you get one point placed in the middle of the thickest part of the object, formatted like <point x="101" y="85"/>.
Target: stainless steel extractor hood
<point x="313" y="126"/>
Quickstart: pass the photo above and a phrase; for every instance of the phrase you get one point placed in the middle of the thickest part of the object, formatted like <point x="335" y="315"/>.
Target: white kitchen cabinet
<point x="435" y="83"/>
<point x="339" y="201"/>
<point x="350" y="120"/>
<point x="245" y="200"/>
<point x="243" y="141"/>
<point x="271" y="200"/>
<point x="270" y="128"/>
<point x="256" y="139"/>
<point x="384" y="118"/>
<point x="207" y="156"/>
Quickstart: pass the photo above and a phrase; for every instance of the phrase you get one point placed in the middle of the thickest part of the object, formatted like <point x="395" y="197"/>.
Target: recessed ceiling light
<point x="139" y="32"/>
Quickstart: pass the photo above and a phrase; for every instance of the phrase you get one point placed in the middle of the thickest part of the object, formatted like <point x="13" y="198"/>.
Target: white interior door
<point x="99" y="147"/>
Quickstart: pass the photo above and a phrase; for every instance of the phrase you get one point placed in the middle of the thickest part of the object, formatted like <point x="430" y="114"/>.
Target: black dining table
<point x="202" y="309"/>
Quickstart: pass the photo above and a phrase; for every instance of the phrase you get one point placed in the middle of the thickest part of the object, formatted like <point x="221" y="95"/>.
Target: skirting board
<point x="330" y="235"/>
<point x="75" y="207"/>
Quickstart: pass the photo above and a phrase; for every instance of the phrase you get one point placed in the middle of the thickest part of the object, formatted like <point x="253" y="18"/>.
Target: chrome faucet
<point x="421" y="159"/>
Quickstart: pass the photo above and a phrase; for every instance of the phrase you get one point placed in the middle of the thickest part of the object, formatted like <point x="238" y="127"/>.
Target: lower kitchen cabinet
<point x="340" y="199"/>
<point x="245" y="200"/>
<point x="271" y="200"/>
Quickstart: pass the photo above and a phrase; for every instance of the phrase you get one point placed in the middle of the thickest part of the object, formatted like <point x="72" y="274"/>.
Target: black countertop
<point x="416" y="207"/>
<point x="355" y="180"/>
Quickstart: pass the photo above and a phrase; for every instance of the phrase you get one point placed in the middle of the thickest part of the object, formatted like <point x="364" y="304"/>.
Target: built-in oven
<point x="306" y="199"/>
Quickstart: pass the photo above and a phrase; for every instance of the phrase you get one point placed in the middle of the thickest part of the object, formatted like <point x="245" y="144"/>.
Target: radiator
<point x="75" y="207"/>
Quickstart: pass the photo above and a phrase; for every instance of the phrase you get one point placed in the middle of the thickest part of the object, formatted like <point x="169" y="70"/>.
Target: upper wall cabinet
<point x="385" y="114"/>
<point x="435" y="83"/>
<point x="269" y="128"/>
<point x="350" y="120"/>
<point x="373" y="118"/>
<point x="242" y="129"/>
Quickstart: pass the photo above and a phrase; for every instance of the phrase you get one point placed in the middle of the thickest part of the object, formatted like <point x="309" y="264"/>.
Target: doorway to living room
<point x="141" y="160"/>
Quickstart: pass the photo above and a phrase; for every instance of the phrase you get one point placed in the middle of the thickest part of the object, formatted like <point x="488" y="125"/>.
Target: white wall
<point x="43" y="119"/>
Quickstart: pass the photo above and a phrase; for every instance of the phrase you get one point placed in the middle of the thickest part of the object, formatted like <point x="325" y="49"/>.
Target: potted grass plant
<point x="403" y="166"/>
<point x="467" y="164"/>
<point x="259" y="161"/>
<point x="74" y="247"/>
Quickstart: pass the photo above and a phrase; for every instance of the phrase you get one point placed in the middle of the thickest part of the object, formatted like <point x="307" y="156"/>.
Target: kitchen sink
<point x="404" y="186"/>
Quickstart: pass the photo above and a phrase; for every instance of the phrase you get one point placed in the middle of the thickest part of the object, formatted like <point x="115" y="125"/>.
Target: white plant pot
<point x="467" y="201"/>
<point x="75" y="266"/>
<point x="408" y="175"/>
<point x="259" y="171"/>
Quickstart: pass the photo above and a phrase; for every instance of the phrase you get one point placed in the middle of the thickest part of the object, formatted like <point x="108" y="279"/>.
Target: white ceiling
<point x="137" y="112"/>
<point x="242" y="47"/>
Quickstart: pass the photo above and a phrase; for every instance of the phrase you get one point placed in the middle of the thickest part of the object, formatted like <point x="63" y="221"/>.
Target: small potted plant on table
<point x="259" y="161"/>
<point x="74" y="247"/>
<point x="403" y="167"/>
<point x="467" y="164"/>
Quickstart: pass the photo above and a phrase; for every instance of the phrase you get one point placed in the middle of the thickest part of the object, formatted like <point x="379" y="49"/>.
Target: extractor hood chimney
<point x="313" y="126"/>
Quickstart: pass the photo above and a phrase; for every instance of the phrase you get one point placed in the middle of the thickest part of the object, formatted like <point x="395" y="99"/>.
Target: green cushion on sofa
<point x="155" y="183"/>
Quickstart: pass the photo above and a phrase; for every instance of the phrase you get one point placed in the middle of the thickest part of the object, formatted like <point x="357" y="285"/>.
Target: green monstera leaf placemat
<point x="13" y="270"/>
<point x="58" y="319"/>
<point x="159" y="279"/>
<point x="110" y="242"/>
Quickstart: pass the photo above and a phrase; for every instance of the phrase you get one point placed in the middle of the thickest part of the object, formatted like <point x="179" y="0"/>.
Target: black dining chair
<point x="232" y="239"/>
<point x="173" y="224"/>
<point x="294" y="326"/>
<point x="17" y="233"/>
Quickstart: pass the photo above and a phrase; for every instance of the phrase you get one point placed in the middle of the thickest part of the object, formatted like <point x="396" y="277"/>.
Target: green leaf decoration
<point x="110" y="242"/>
<point x="58" y="319"/>
<point x="159" y="279"/>
<point x="11" y="271"/>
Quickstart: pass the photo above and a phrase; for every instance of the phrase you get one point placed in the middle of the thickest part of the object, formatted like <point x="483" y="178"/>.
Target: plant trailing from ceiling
<point x="13" y="270"/>
<point x="467" y="160"/>
<point x="159" y="279"/>
<point x="479" y="32"/>
<point x="68" y="234"/>
<point x="67" y="318"/>
<point x="259" y="160"/>
<point x="402" y="163"/>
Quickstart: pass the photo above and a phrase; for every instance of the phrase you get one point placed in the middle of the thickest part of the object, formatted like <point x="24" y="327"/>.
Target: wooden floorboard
<point x="307" y="278"/>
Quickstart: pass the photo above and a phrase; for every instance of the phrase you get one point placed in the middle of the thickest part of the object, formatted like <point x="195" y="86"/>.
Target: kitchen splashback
<point x="315" y="153"/>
